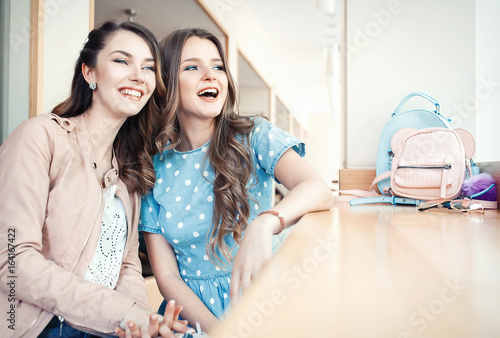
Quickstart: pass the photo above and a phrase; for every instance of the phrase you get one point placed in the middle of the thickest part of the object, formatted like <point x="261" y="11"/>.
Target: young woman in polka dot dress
<point x="208" y="222"/>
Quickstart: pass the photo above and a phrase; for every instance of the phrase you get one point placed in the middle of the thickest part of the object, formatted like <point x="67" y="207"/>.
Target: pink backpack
<point x="430" y="163"/>
<point x="425" y="164"/>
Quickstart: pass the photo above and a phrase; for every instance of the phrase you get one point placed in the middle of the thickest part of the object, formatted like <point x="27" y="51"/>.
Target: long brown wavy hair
<point x="229" y="150"/>
<point x="132" y="145"/>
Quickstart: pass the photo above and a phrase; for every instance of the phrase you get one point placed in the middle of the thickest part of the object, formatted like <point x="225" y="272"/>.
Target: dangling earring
<point x="92" y="85"/>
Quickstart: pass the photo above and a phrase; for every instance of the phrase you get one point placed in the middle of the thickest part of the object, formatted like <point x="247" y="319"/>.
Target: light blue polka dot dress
<point x="180" y="207"/>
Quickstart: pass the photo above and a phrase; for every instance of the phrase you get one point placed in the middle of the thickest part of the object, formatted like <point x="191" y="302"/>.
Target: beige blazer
<point x="50" y="214"/>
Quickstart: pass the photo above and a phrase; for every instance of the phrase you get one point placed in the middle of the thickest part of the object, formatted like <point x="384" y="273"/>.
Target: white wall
<point x="14" y="74"/>
<point x="488" y="80"/>
<point x="66" y="27"/>
<point x="399" y="46"/>
<point x="318" y="152"/>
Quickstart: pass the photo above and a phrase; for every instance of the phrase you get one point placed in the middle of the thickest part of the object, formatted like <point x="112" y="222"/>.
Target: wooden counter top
<point x="377" y="271"/>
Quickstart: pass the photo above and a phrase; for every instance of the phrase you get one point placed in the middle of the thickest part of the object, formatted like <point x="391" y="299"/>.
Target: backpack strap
<point x="352" y="194"/>
<point x="357" y="193"/>
<point x="409" y="96"/>
<point x="379" y="178"/>
<point x="394" y="200"/>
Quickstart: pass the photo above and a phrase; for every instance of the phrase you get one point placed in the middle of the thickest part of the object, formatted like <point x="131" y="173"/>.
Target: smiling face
<point x="203" y="80"/>
<point x="124" y="74"/>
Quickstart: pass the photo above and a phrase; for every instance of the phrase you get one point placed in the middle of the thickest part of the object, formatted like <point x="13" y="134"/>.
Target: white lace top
<point x="105" y="265"/>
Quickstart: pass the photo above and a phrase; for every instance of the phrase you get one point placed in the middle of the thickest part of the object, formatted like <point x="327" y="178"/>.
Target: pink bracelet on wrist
<point x="277" y="214"/>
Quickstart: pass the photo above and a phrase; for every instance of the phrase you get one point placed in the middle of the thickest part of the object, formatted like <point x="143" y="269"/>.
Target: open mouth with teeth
<point x="209" y="93"/>
<point x="131" y="92"/>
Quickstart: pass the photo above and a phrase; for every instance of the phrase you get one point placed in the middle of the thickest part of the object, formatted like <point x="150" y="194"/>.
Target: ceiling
<point x="294" y="63"/>
<point x="160" y="16"/>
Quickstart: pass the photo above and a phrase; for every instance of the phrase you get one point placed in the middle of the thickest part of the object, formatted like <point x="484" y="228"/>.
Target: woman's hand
<point x="255" y="250"/>
<point x="153" y="325"/>
<point x="171" y="321"/>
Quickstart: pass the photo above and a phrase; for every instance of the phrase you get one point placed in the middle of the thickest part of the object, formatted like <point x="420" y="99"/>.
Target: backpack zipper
<point x="444" y="167"/>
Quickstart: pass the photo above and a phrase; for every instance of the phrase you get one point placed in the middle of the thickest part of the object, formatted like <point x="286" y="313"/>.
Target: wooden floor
<point x="377" y="271"/>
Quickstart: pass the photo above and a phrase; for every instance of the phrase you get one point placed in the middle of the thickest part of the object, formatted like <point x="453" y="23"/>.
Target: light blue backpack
<point x="416" y="118"/>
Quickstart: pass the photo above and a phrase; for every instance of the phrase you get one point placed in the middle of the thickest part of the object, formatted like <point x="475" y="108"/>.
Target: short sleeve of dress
<point x="269" y="143"/>
<point x="148" y="220"/>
